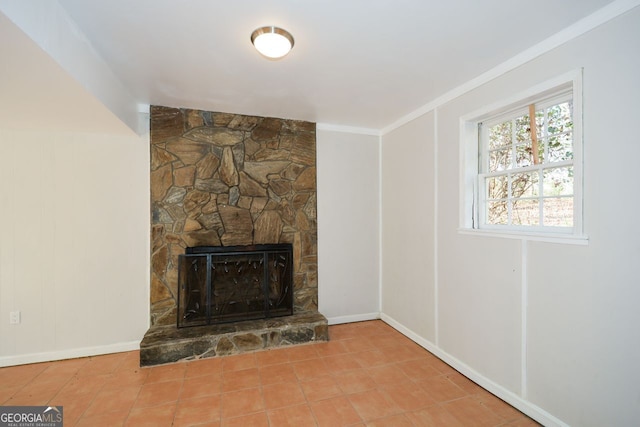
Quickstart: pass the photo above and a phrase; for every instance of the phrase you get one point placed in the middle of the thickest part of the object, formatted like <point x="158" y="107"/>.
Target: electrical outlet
<point x="14" y="317"/>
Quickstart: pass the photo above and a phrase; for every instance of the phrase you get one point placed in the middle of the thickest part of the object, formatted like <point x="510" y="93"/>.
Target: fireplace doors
<point x="228" y="284"/>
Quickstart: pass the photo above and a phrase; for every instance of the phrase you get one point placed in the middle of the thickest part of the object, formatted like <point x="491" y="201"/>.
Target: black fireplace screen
<point x="228" y="284"/>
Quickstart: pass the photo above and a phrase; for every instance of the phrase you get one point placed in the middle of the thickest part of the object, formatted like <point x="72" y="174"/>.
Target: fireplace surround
<point x="225" y="180"/>
<point x="220" y="179"/>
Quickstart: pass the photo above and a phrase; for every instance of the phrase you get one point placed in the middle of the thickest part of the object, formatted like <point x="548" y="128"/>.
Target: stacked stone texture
<point x="222" y="179"/>
<point x="167" y="344"/>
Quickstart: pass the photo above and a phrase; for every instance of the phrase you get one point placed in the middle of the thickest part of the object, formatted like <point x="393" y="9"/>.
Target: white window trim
<point x="469" y="146"/>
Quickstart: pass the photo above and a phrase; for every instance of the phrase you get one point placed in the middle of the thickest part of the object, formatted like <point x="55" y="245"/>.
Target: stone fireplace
<point x="222" y="180"/>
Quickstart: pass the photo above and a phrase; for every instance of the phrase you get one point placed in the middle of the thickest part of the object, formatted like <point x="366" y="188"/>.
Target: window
<point x="526" y="167"/>
<point x="522" y="161"/>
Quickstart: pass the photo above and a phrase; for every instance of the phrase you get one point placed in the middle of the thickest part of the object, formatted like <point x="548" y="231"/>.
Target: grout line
<point x="133" y="404"/>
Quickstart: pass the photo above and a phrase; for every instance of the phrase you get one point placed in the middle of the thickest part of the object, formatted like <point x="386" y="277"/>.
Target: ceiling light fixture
<point x="272" y="42"/>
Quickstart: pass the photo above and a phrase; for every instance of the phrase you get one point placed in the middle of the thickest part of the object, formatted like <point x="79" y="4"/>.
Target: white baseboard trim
<point x="353" y="318"/>
<point x="73" y="353"/>
<point x="511" y="398"/>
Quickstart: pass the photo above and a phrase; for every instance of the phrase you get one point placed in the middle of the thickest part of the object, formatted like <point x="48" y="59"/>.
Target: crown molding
<point x="588" y="23"/>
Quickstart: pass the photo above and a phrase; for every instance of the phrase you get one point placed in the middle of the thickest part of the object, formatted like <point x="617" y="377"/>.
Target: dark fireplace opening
<point x="234" y="283"/>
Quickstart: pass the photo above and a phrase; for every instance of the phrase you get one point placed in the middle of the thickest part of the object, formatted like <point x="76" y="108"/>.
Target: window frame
<point x="567" y="86"/>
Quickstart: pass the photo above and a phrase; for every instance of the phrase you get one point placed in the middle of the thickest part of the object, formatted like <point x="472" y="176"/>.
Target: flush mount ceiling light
<point x="272" y="42"/>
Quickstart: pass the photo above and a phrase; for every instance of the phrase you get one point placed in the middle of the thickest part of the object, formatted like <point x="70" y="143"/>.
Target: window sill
<point x="535" y="237"/>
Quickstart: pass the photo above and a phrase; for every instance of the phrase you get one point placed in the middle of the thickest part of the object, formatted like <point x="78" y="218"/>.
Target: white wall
<point x="74" y="244"/>
<point x="408" y="172"/>
<point x="574" y="359"/>
<point x="348" y="225"/>
<point x="74" y="201"/>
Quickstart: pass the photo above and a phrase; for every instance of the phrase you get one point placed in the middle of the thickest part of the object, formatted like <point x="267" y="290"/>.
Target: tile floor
<point x="367" y="375"/>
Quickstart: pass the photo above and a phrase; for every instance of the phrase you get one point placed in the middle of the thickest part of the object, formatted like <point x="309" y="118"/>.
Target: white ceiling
<point x="357" y="63"/>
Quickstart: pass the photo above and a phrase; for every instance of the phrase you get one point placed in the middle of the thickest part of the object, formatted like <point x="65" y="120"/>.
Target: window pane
<point x="540" y="133"/>
<point x="541" y="158"/>
<point x="558" y="181"/>
<point x="559" y="118"/>
<point x="524" y="156"/>
<point x="525" y="212"/>
<point x="524" y="184"/>
<point x="497" y="187"/>
<point x="499" y="160"/>
<point x="540" y="124"/>
<point x="500" y="135"/>
<point x="497" y="212"/>
<point x="518" y="185"/>
<point x="558" y="211"/>
<point x="523" y="128"/>
<point x="561" y="147"/>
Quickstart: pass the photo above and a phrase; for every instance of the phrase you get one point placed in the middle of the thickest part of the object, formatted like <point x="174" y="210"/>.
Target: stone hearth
<point x="166" y="344"/>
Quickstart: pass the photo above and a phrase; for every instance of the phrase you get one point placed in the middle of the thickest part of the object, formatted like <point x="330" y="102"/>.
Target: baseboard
<point x="353" y="318"/>
<point x="533" y="411"/>
<point x="49" y="356"/>
<point x="24" y="359"/>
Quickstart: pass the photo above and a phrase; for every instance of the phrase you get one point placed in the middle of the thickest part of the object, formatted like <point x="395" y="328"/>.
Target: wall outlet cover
<point x="14" y="317"/>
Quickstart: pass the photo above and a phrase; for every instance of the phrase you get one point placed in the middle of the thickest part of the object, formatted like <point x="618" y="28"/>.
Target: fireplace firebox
<point x="234" y="283"/>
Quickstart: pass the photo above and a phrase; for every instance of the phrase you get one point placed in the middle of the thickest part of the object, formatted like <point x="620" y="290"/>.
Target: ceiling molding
<point x="581" y="27"/>
<point x="347" y="129"/>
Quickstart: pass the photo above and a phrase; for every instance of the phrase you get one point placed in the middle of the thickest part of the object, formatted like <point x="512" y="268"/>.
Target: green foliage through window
<point x="525" y="185"/>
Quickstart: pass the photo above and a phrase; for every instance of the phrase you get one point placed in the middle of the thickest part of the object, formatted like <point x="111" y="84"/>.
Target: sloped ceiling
<point x="356" y="63"/>
<point x="33" y="87"/>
